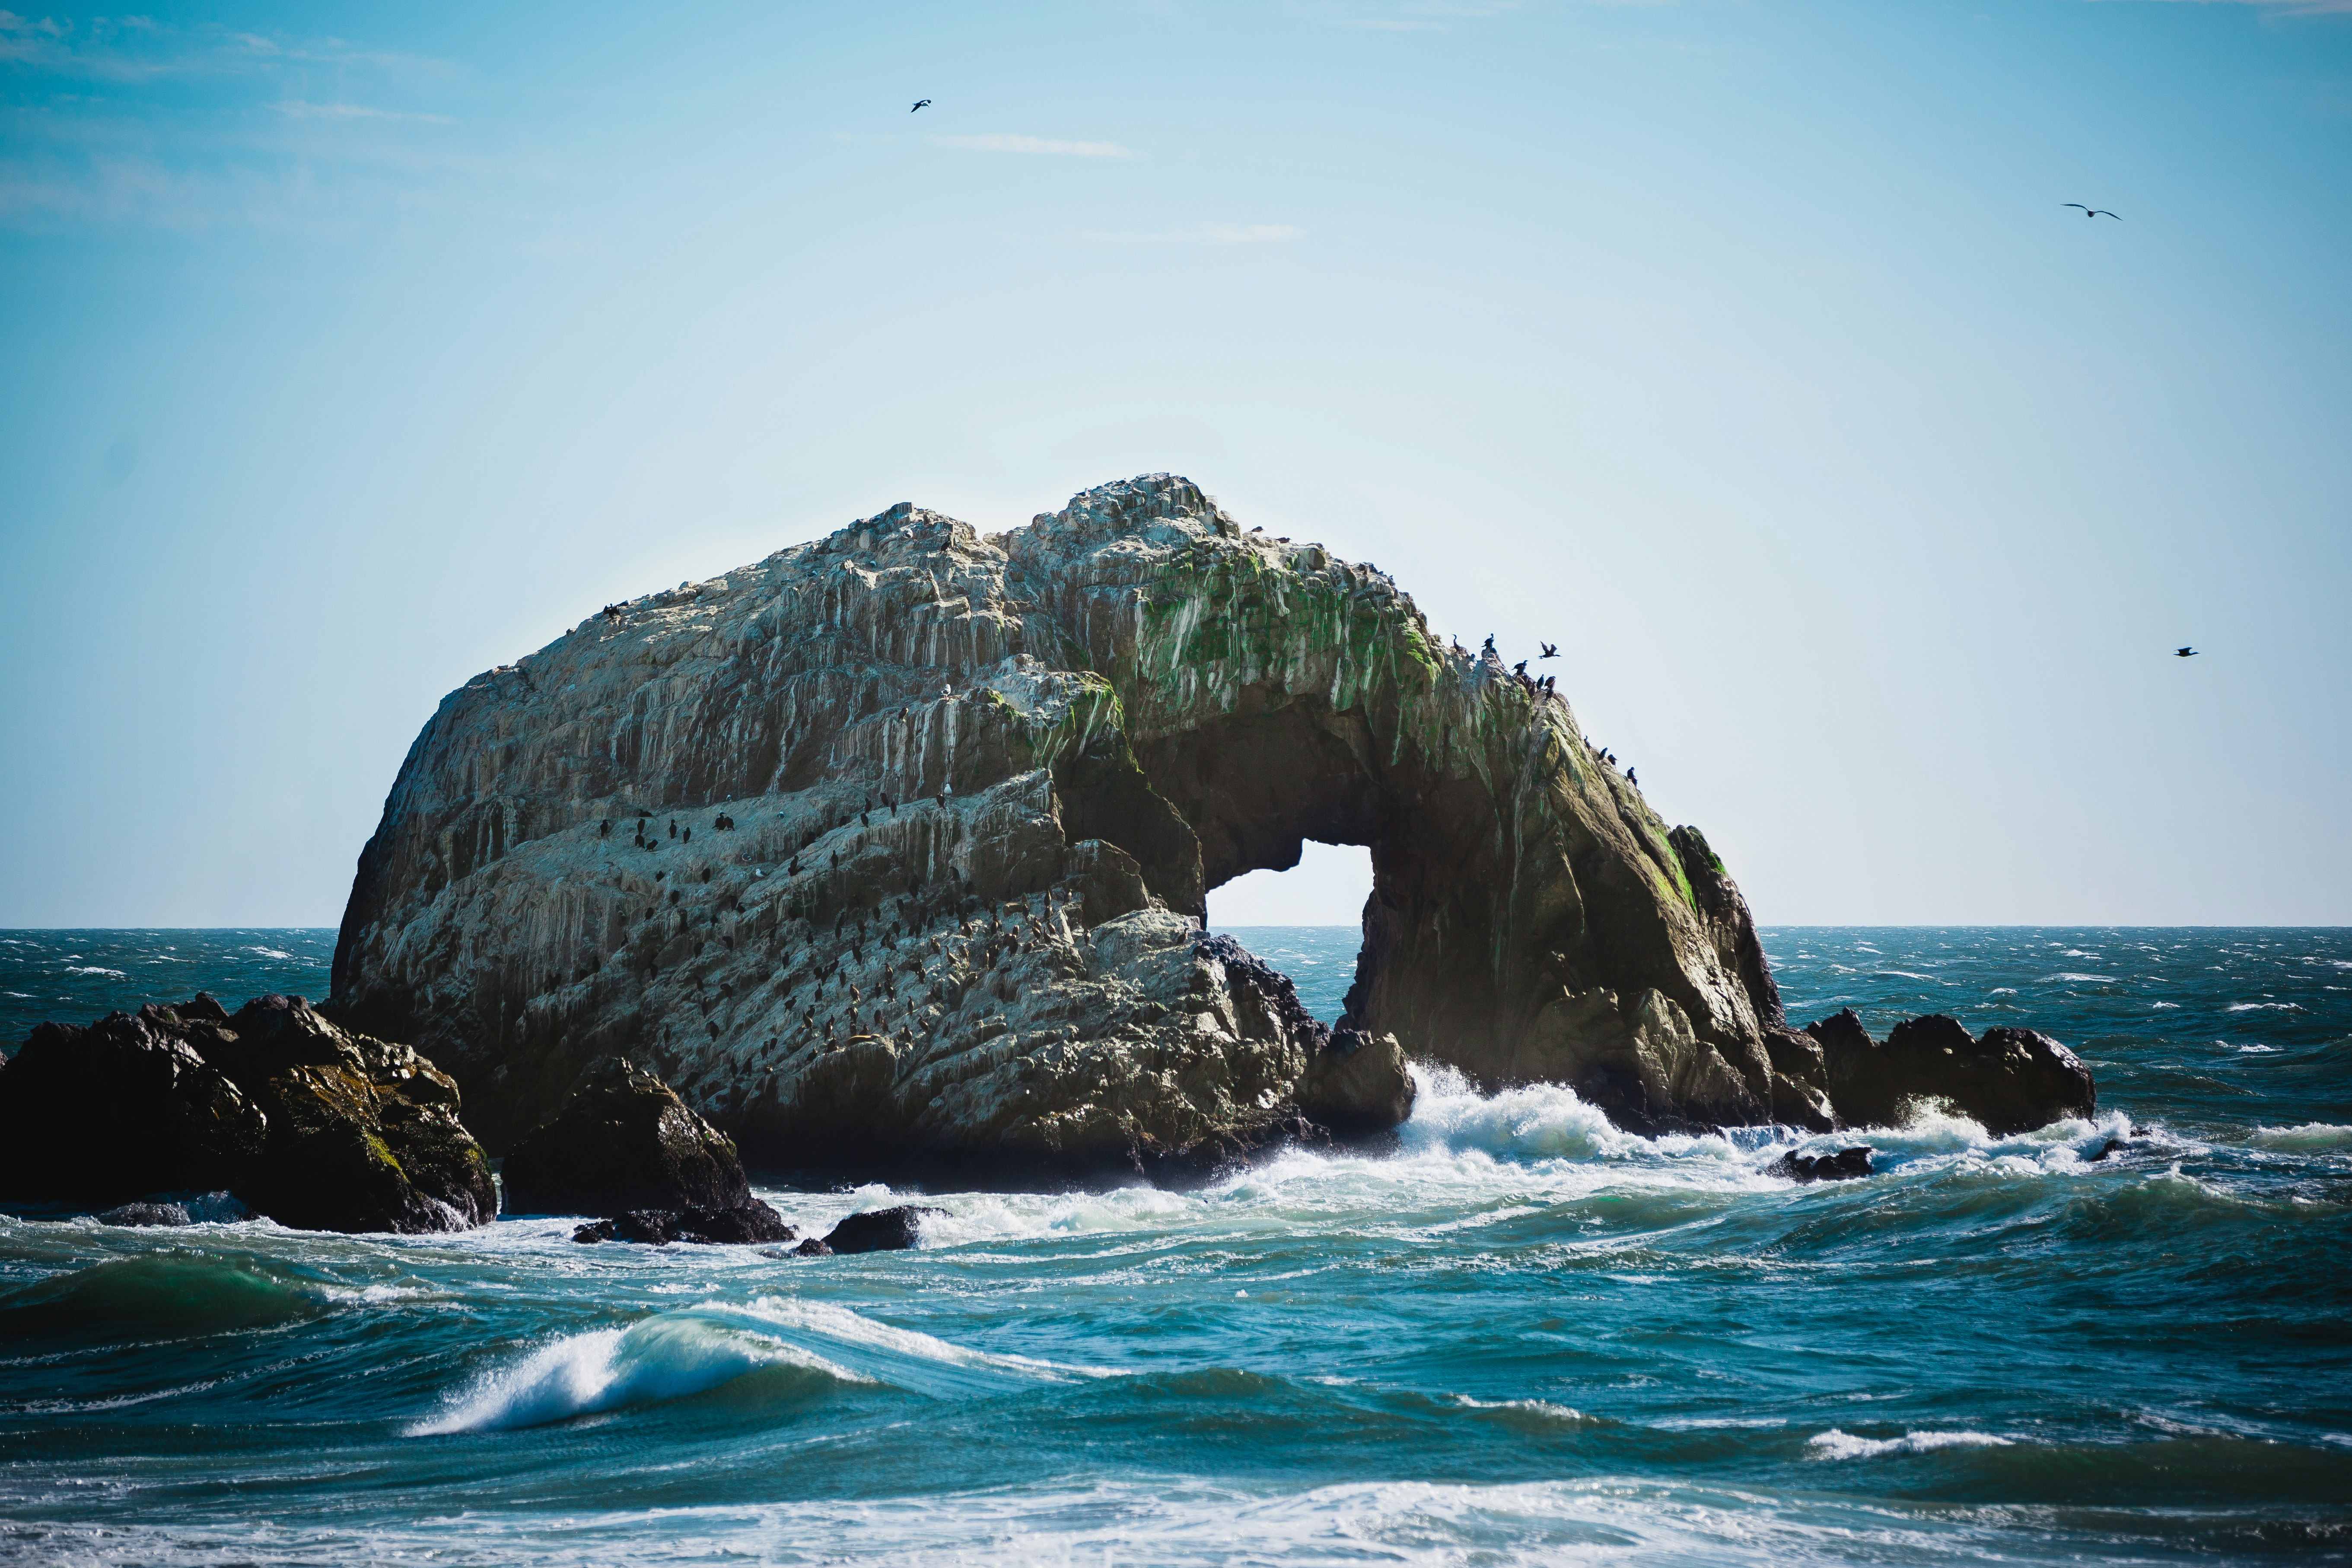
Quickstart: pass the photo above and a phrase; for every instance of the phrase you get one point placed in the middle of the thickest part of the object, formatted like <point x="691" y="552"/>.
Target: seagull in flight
<point x="926" y="103"/>
<point x="2088" y="211"/>
<point x="2184" y="653"/>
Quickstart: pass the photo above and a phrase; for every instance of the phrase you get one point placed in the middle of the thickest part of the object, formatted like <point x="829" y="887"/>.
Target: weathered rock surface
<point x="2008" y="1080"/>
<point x="880" y="1230"/>
<point x="895" y="845"/>
<point x="623" y="1143"/>
<point x="314" y="1126"/>
<point x="739" y="1225"/>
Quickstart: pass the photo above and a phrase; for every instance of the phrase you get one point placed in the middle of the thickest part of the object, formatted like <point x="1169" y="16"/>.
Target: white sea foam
<point x="2069" y="977"/>
<point x="270" y="952"/>
<point x="93" y="969"/>
<point x="1836" y="1445"/>
<point x="2265" y="1007"/>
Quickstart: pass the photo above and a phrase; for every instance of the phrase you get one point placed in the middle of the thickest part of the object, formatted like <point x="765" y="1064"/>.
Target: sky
<point x="1744" y="349"/>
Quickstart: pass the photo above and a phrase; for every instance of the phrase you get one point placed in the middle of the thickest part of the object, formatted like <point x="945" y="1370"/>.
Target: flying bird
<point x="1550" y="650"/>
<point x="926" y="103"/>
<point x="2088" y="211"/>
<point x="2184" y="653"/>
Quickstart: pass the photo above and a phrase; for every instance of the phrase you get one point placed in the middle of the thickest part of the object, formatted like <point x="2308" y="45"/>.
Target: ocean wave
<point x="270" y="951"/>
<point x="2069" y="977"/>
<point x="674" y="1355"/>
<point x="153" y="1298"/>
<point x="2265" y="1007"/>
<point x="2310" y="1137"/>
<point x="93" y="969"/>
<point x="1836" y="1445"/>
<point x="656" y="1359"/>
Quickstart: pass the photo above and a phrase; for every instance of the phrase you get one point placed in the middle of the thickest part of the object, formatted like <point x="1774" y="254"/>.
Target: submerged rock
<point x="739" y="1225"/>
<point x="204" y="1208"/>
<point x="1845" y="1165"/>
<point x="624" y="1141"/>
<point x="968" y="796"/>
<point x="317" y="1127"/>
<point x="880" y="1230"/>
<point x="2007" y="1080"/>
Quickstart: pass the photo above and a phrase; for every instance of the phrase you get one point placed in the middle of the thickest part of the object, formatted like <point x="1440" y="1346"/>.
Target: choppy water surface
<point x="1520" y="1336"/>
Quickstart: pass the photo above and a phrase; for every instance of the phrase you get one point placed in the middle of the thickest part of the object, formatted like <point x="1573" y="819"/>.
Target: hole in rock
<point x="1306" y="922"/>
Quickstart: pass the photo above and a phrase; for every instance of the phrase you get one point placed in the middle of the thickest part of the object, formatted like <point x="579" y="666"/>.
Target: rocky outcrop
<point x="2007" y="1080"/>
<point x="739" y="1225"/>
<point x="895" y="844"/>
<point x="623" y="1143"/>
<point x="880" y="1230"/>
<point x="121" y="1109"/>
<point x="316" y="1127"/>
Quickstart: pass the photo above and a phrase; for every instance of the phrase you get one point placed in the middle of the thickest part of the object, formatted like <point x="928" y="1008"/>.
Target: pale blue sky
<point x="1744" y="349"/>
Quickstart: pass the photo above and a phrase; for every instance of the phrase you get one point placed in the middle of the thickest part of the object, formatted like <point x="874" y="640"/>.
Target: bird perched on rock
<point x="2184" y="653"/>
<point x="2094" y="212"/>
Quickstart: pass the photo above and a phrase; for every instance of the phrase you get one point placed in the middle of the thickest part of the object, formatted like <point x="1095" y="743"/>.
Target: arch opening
<point x="1306" y="922"/>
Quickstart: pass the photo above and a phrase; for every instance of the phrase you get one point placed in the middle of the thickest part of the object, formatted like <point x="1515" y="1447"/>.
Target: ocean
<point x="1517" y="1336"/>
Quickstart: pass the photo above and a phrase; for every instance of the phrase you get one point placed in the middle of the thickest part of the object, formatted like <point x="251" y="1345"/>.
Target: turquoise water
<point x="1519" y="1336"/>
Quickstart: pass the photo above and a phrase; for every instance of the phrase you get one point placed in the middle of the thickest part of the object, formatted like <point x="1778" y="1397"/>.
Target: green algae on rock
<point x="895" y="845"/>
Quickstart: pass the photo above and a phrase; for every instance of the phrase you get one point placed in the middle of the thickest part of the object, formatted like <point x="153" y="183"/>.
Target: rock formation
<point x="880" y="1230"/>
<point x="624" y="1141"/>
<point x="313" y="1126"/>
<point x="2006" y="1080"/>
<point x="895" y="844"/>
<point x="738" y="1225"/>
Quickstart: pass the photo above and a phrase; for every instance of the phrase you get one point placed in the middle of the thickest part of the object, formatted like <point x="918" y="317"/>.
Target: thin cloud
<point x="1197" y="234"/>
<point x="294" y="108"/>
<point x="1002" y="141"/>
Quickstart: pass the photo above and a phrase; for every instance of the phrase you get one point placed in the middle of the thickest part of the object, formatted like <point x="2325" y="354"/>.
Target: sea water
<point x="1517" y="1335"/>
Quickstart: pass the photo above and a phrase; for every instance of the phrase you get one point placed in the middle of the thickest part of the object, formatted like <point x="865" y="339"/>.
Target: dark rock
<point x="738" y="1226"/>
<point x="879" y="1230"/>
<point x="2112" y="1146"/>
<point x="195" y="1208"/>
<point x="742" y="1225"/>
<point x="624" y="1141"/>
<point x="363" y="1133"/>
<point x="313" y="1126"/>
<point x="121" y="1109"/>
<point x="1845" y="1165"/>
<point x="1358" y="1083"/>
<point x="1800" y="1081"/>
<point x="653" y="1228"/>
<point x="813" y="1246"/>
<point x="2010" y="1080"/>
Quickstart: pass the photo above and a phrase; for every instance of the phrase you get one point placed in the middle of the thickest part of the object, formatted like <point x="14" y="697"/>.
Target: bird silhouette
<point x="2094" y="212"/>
<point x="926" y="103"/>
<point x="1550" y="650"/>
<point x="2184" y="653"/>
